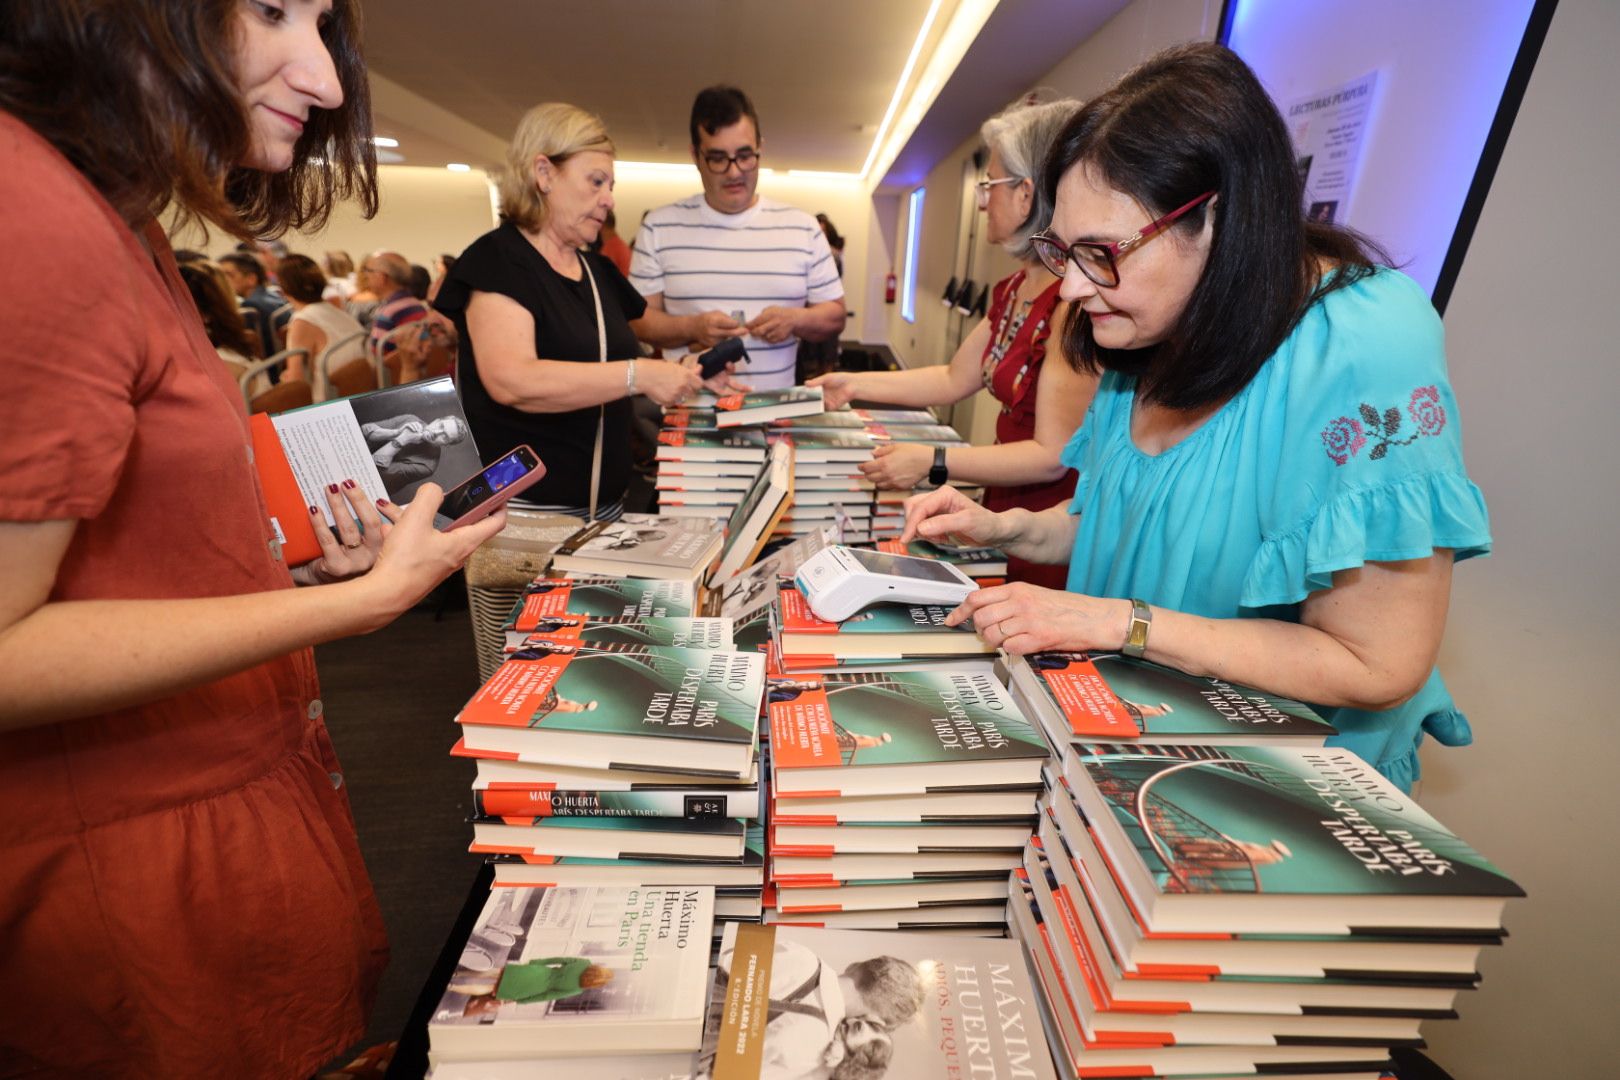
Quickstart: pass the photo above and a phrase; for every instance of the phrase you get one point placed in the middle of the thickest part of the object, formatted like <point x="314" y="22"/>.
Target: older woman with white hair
<point x="548" y="358"/>
<point x="1040" y="406"/>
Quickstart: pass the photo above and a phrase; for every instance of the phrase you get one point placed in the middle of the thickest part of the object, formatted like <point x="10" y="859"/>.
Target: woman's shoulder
<point x="48" y="207"/>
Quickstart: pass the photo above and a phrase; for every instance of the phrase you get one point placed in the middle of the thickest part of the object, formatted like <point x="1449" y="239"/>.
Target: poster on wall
<point x="1329" y="128"/>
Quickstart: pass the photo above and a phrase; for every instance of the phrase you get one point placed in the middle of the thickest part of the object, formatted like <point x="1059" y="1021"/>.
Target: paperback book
<point x="545" y="598"/>
<point x="678" y="801"/>
<point x="978" y="562"/>
<point x="711" y="446"/>
<point x="897" y="631"/>
<point x="642" y="546"/>
<point x="1276" y="839"/>
<point x="898" y="733"/>
<point x="1087" y="697"/>
<point x="389" y="442"/>
<point x="891" y="1004"/>
<point x="611" y="837"/>
<point x="756" y="514"/>
<point x="680" y="632"/>
<point x="631" y="706"/>
<point x="751" y="591"/>
<point x="764" y="406"/>
<point x="530" y="871"/>
<point x="576" y="970"/>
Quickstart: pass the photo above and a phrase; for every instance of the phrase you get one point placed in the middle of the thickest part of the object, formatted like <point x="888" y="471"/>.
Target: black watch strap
<point x="939" y="473"/>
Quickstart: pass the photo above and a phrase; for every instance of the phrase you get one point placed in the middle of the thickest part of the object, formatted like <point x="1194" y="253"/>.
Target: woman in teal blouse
<point x="1271" y="483"/>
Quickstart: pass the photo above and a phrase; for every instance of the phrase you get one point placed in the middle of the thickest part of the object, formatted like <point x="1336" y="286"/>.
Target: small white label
<point x="281" y="537"/>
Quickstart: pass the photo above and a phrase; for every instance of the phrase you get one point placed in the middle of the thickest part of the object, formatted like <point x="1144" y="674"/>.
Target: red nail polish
<point x="332" y="488"/>
<point x="312" y="510"/>
<point x="348" y="483"/>
<point x="382" y="502"/>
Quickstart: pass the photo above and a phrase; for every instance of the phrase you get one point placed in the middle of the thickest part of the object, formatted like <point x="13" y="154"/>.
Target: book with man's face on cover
<point x="806" y="1001"/>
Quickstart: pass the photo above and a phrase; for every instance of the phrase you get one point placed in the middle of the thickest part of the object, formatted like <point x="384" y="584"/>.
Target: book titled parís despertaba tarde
<point x="648" y="707"/>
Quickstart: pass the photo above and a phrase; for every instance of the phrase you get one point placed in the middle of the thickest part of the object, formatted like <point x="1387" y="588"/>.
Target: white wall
<point x="1534" y="629"/>
<point x="421" y="213"/>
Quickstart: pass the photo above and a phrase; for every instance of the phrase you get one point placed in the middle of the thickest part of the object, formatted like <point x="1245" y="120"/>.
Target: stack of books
<point x="902" y="636"/>
<point x="899" y="798"/>
<point x="704" y="467"/>
<point x="572" y="973"/>
<point x="617" y="744"/>
<point x="1211" y="890"/>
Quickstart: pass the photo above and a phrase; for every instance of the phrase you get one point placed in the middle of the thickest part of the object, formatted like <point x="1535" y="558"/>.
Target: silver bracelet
<point x="630" y="379"/>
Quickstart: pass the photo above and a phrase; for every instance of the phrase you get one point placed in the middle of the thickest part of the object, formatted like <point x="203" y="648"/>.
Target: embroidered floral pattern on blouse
<point x="1345" y="437"/>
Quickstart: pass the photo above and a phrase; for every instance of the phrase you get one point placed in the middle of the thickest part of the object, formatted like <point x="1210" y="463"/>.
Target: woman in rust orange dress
<point x="181" y="890"/>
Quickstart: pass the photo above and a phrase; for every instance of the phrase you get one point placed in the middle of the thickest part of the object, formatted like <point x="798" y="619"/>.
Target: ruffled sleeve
<point x="488" y="265"/>
<point x="1077" y="453"/>
<point x="1370" y="462"/>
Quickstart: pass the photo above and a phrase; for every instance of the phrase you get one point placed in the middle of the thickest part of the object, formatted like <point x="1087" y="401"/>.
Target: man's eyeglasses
<point x="746" y="160"/>
<point x="1099" y="260"/>
<point x="981" y="190"/>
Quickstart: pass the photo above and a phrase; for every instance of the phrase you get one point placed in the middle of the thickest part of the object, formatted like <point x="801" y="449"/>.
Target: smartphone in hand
<point x="715" y="360"/>
<point x="482" y="494"/>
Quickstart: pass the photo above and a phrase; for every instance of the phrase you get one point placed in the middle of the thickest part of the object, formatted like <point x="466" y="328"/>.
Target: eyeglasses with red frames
<point x="1099" y="260"/>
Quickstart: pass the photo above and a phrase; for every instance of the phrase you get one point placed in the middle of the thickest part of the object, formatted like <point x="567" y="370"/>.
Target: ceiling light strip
<point x="900" y="87"/>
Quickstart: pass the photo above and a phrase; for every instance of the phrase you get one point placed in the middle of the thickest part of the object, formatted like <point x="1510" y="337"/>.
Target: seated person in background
<point x="1273" y="490"/>
<point x="340" y="284"/>
<point x="1005" y="354"/>
<point x="421" y="282"/>
<point x="390" y="277"/>
<point x="315" y="325"/>
<point x="441" y="269"/>
<point x="251" y="285"/>
<point x="702" y="259"/>
<point x="222" y="321"/>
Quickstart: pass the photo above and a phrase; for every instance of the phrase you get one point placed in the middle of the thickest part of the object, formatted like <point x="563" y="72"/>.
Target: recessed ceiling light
<point x="383" y="140"/>
<point x="456" y="166"/>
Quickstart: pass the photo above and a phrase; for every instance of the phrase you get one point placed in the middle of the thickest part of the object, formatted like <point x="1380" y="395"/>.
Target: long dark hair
<point x="221" y="318"/>
<point x="1189" y="120"/>
<point x="139" y="95"/>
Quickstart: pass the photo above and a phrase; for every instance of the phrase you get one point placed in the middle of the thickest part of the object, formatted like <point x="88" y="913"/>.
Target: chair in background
<point x="355" y="376"/>
<point x="280" y="322"/>
<point x="287" y="394"/>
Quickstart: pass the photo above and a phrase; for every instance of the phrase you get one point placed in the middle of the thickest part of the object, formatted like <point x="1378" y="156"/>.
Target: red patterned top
<point x="1011" y="369"/>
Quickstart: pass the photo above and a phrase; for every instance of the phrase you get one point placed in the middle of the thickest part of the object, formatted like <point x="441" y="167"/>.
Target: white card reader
<point x="841" y="581"/>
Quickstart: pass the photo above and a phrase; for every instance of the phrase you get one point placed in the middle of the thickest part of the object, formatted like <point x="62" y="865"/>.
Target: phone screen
<point x="464" y="498"/>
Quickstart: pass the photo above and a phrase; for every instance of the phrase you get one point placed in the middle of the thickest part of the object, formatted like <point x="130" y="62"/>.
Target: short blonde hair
<point x="557" y="130"/>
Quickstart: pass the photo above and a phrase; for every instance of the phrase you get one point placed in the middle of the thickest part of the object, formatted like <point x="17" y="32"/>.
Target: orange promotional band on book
<point x="802" y="733"/>
<point x="797" y="618"/>
<point x="1089" y="706"/>
<point x="520" y="693"/>
<point x="281" y="493"/>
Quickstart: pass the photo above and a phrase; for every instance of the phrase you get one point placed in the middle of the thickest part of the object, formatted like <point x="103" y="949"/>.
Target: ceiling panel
<point x="820" y="73"/>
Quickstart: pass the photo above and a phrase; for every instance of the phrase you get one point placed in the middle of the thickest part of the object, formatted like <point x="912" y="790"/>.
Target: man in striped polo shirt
<point x="711" y="257"/>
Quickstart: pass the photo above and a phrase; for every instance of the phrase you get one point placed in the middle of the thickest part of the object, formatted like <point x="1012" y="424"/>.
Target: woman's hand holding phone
<point x="415" y="556"/>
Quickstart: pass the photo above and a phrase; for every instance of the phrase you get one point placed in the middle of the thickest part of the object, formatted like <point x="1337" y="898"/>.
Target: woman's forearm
<point x="915" y="388"/>
<point x="1045" y="536"/>
<point x="555" y="386"/>
<point x="1287" y="659"/>
<point x="82" y="658"/>
<point x="1004" y="464"/>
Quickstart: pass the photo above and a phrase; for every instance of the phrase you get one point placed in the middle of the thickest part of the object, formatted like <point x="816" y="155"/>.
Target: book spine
<point x="693" y="805"/>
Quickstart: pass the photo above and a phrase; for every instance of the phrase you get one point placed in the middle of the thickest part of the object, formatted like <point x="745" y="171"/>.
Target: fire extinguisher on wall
<point x="889" y="285"/>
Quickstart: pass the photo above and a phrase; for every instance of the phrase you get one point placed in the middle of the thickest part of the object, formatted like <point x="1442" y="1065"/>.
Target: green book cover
<point x="601" y="597"/>
<point x="642" y="690"/>
<point x="1279" y="820"/>
<point x="864" y="719"/>
<point x="927" y="620"/>
<point x="730" y="445"/>
<point x="681" y="632"/>
<point x="1109" y="696"/>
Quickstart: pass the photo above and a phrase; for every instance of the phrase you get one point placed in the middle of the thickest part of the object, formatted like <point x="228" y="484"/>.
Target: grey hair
<point x="1021" y="134"/>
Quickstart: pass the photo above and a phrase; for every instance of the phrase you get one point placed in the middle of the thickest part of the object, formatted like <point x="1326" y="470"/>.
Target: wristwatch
<point x="1136" y="638"/>
<point x="939" y="473"/>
